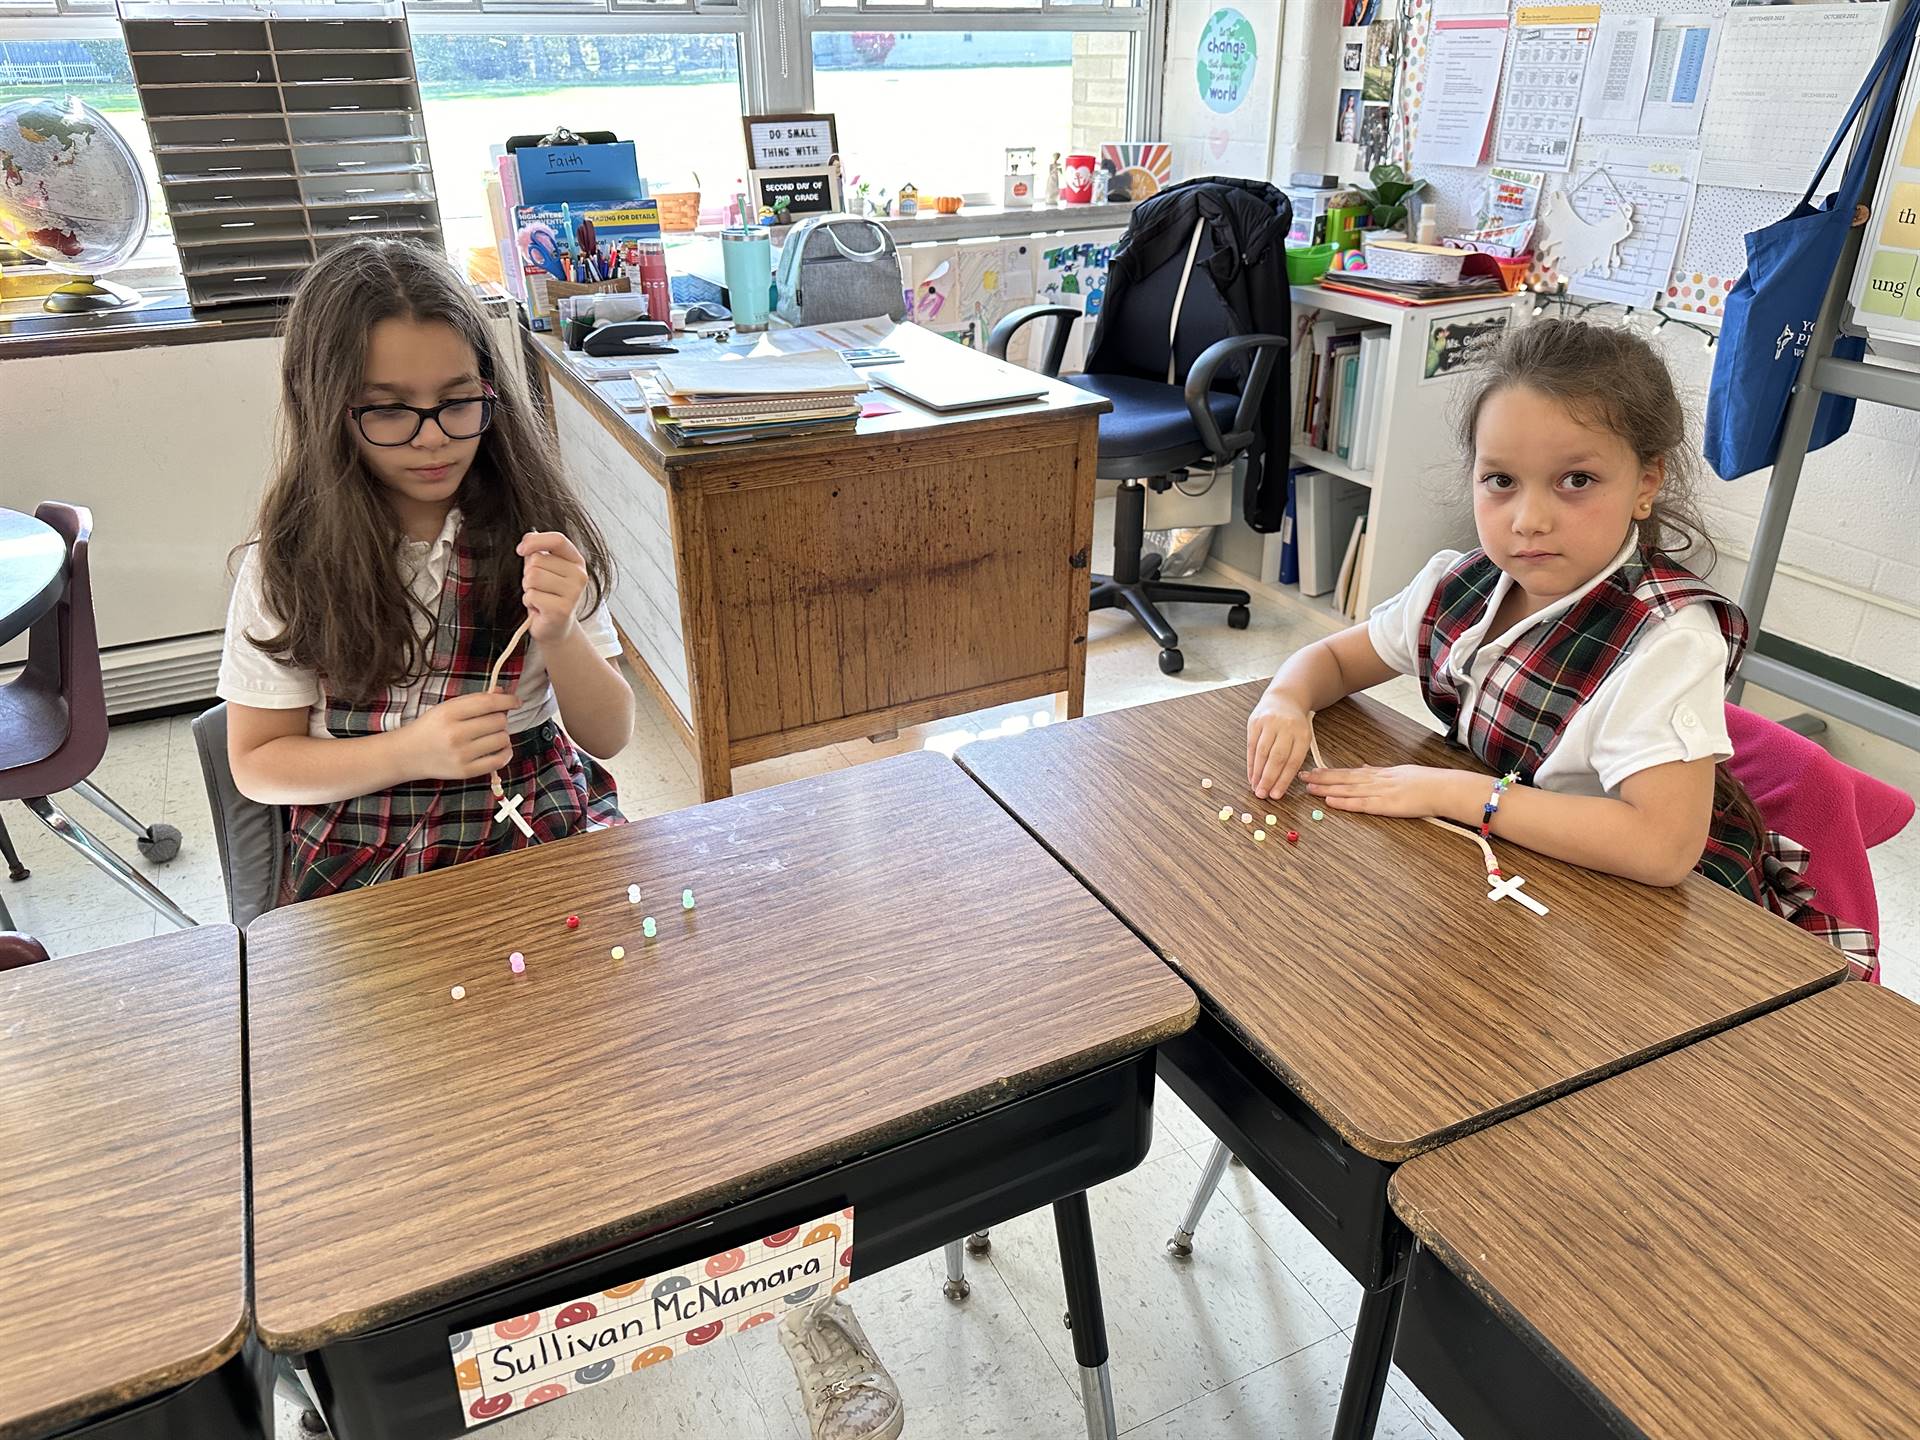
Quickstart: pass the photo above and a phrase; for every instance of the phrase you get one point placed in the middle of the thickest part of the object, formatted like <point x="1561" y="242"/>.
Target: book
<point x="1324" y="511"/>
<point x="771" y="377"/>
<point x="1372" y="384"/>
<point x="1349" y="399"/>
<point x="1343" y="585"/>
<point x="1355" y="608"/>
<point x="1339" y="346"/>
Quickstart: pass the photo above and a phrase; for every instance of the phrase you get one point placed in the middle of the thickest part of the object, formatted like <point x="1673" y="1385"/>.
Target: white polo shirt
<point x="250" y="677"/>
<point x="1664" y="701"/>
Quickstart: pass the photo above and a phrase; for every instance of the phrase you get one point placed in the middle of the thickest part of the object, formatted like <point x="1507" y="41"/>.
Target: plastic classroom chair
<point x="53" y="724"/>
<point x="251" y="837"/>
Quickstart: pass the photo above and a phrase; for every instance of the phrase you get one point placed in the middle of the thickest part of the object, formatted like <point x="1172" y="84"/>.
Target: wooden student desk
<point x="1725" y="1242"/>
<point x="886" y="997"/>
<point x="789" y="594"/>
<point x="1362" y="1000"/>
<point x="123" y="1196"/>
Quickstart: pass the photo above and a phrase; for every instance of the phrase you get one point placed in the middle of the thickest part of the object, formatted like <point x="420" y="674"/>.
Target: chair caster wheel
<point x="956" y="1289"/>
<point x="1239" y="617"/>
<point x="1180" y="1245"/>
<point x="979" y="1243"/>
<point x="1172" y="662"/>
<point x="161" y="844"/>
<point x="19" y="874"/>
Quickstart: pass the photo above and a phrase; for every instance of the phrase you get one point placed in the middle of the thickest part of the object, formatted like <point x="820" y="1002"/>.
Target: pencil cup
<point x="746" y="254"/>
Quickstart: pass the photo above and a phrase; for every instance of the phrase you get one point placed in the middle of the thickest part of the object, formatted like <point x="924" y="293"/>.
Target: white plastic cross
<point x="510" y="810"/>
<point x="1509" y="889"/>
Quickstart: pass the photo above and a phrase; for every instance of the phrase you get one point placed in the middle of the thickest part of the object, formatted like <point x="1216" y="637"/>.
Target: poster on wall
<point x="1225" y="67"/>
<point x="1546" y="73"/>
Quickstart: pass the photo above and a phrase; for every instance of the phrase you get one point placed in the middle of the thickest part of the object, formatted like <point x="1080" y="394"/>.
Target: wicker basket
<point x="1403" y="260"/>
<point x="679" y="210"/>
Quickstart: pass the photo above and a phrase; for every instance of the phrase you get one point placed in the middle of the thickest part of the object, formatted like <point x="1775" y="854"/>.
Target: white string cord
<point x="1486" y="850"/>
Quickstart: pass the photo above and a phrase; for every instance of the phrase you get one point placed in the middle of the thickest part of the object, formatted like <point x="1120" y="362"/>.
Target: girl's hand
<point x="553" y="577"/>
<point x="1278" y="733"/>
<point x="1410" y="790"/>
<point x="460" y="738"/>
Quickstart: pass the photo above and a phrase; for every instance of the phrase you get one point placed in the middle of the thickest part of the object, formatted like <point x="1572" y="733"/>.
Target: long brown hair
<point x="1613" y="379"/>
<point x="328" y="540"/>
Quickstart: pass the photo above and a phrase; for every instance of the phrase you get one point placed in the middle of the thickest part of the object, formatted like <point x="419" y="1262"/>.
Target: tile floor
<point x="1248" y="1338"/>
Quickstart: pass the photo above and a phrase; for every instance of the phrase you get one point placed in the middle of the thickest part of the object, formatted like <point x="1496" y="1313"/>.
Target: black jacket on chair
<point x="1243" y="251"/>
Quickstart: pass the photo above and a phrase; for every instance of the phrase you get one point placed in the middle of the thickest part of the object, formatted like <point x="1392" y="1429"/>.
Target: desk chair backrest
<point x="53" y="715"/>
<point x="1203" y="262"/>
<point x="251" y="837"/>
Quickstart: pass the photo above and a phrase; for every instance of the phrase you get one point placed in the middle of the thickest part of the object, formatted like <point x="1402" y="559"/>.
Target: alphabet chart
<point x="1883" y="292"/>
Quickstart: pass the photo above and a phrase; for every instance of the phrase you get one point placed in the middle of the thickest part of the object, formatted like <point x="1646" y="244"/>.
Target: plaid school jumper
<point x="426" y="824"/>
<point x="1533" y="690"/>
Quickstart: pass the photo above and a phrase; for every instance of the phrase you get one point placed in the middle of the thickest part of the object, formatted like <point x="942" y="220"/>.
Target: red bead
<point x="1293" y="837"/>
<point x="573" y="922"/>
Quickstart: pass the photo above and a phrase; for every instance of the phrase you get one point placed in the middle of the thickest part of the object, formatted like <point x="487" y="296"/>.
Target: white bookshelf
<point x="1417" y="495"/>
<point x="279" y="131"/>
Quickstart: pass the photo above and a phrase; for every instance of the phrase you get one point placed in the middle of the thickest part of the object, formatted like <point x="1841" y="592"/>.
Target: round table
<point x="33" y="571"/>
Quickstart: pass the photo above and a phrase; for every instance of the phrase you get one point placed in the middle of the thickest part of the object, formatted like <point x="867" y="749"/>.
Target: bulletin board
<point x="1711" y="252"/>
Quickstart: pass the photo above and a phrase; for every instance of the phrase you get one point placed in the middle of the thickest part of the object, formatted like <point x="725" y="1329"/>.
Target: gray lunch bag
<point x="835" y="268"/>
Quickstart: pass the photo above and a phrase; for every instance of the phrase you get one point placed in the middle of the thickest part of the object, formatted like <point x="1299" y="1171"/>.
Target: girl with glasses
<point x="417" y="517"/>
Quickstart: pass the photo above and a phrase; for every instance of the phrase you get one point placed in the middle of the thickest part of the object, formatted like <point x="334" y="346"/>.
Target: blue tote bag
<point x="1770" y="312"/>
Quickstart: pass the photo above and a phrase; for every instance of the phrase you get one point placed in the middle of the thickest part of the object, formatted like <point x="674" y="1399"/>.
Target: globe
<point x="71" y="196"/>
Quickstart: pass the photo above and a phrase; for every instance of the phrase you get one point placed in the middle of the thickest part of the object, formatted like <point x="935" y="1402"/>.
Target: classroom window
<point x="896" y="94"/>
<point x="676" y="95"/>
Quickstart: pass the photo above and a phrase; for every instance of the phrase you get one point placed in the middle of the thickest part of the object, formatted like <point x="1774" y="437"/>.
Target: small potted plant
<point x="862" y="203"/>
<point x="1387" y="201"/>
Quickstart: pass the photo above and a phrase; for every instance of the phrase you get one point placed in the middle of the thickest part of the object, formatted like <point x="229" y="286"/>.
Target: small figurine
<point x="908" y="200"/>
<point x="1101" y="179"/>
<point x="1053" y="180"/>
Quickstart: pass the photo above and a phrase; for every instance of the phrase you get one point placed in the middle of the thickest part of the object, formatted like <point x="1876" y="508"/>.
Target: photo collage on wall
<point x="1369" y="65"/>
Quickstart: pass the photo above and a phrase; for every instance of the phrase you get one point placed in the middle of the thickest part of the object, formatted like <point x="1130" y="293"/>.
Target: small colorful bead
<point x="459" y="992"/>
<point x="1293" y="837"/>
<point x="1206" y="784"/>
<point x="1226" y="812"/>
<point x="633" y="894"/>
<point x="1273" y="819"/>
<point x="573" y="922"/>
<point x="1259" y="835"/>
<point x="1245" y="818"/>
<point x="619" y="952"/>
<point x="1319" y="814"/>
<point x="648" y="928"/>
<point x="686" y="899"/>
<point x="517" y="963"/>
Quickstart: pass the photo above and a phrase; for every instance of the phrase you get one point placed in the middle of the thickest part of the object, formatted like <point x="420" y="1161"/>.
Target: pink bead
<point x="518" y="962"/>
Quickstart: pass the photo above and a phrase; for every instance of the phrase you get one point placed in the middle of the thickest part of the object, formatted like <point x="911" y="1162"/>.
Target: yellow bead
<point x="1259" y="834"/>
<point x="619" y="952"/>
<point x="1226" y="812"/>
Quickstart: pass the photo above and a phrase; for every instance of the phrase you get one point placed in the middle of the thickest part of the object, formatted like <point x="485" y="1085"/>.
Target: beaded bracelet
<point x="1493" y="802"/>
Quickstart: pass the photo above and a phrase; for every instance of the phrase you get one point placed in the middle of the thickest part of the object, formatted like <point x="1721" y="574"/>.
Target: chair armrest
<point x="1004" y="332"/>
<point x="1269" y="349"/>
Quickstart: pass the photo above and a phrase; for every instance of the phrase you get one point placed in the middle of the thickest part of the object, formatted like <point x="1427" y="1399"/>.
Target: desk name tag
<point x="526" y="1360"/>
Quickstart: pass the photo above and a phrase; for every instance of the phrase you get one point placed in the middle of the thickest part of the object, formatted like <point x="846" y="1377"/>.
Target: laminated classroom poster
<point x="1546" y="75"/>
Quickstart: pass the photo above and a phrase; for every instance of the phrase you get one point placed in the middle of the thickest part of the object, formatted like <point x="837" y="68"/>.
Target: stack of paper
<point x="720" y="399"/>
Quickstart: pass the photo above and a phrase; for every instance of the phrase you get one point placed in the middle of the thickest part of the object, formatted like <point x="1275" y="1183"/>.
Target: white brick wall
<point x="1850" y="566"/>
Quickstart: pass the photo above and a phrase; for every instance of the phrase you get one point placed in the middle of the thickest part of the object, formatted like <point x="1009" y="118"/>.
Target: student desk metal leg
<point x="1339" y="1194"/>
<point x="1047" y="1148"/>
<point x="1477" y="1372"/>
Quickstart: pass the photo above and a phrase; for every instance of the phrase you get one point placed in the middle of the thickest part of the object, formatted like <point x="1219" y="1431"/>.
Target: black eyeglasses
<point x="394" y="424"/>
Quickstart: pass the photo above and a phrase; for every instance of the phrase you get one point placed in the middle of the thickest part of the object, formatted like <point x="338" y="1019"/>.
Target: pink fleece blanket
<point x="1826" y="805"/>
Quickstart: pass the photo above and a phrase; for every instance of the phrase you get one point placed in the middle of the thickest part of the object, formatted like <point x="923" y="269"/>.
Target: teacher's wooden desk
<point x="1362" y="1000"/>
<point x="783" y="595"/>
<point x="123" y="1196"/>
<point x="1725" y="1242"/>
<point x="887" y="997"/>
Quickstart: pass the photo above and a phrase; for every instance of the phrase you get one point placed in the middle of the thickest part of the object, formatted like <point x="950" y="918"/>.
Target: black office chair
<point x="1187" y="387"/>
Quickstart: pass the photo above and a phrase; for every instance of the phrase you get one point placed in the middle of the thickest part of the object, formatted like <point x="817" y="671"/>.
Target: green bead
<point x="1319" y="815"/>
<point x="686" y="899"/>
<point x="648" y="928"/>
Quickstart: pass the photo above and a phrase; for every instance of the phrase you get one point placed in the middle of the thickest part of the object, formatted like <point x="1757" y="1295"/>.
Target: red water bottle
<point x="653" y="281"/>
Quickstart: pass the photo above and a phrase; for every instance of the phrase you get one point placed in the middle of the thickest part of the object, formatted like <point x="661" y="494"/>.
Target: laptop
<point x="969" y="386"/>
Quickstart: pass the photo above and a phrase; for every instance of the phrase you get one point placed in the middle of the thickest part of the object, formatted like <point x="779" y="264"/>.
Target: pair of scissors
<point x="539" y="243"/>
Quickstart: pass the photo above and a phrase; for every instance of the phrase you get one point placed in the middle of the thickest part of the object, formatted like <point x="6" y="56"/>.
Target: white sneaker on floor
<point x="848" y="1392"/>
